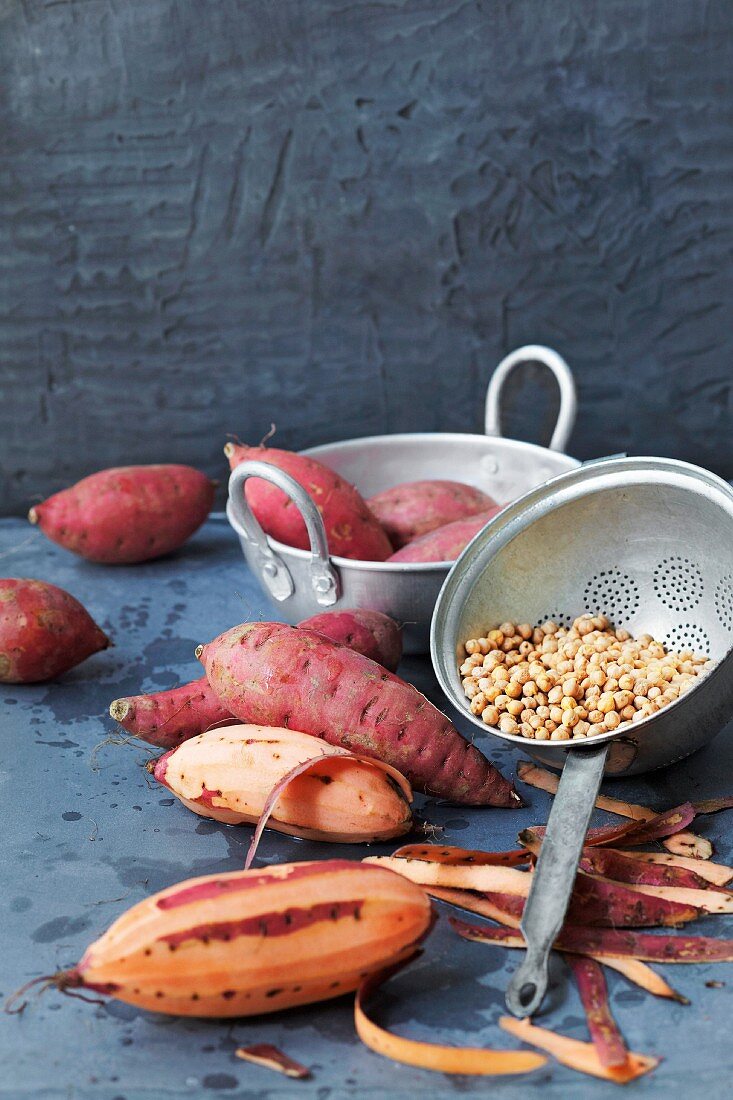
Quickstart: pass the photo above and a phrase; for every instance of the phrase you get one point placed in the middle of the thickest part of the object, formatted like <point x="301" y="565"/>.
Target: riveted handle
<point x="554" y="875"/>
<point x="535" y="353"/>
<point x="273" y="570"/>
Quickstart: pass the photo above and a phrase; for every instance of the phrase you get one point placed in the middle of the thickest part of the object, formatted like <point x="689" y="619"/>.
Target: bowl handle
<point x="273" y="570"/>
<point x="535" y="353"/>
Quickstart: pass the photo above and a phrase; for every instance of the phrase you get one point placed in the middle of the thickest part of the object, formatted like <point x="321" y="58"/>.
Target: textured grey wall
<point x="340" y="215"/>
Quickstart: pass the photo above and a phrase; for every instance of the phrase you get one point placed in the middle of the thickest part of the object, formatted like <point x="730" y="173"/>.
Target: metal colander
<point x="646" y="541"/>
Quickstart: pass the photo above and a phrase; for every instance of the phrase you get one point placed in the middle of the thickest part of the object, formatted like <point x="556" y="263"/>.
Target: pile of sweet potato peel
<point x="621" y="891"/>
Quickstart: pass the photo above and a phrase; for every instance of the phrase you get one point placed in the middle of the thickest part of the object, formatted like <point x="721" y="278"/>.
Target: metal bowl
<point x="302" y="582"/>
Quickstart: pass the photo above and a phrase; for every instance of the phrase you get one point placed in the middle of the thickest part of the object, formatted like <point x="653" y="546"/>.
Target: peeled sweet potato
<point x="352" y="530"/>
<point x="43" y="631"/>
<point x="368" y="632"/>
<point x="413" y="508"/>
<point x="272" y="674"/>
<point x="166" y="718"/>
<point x="231" y="774"/>
<point x="445" y="543"/>
<point x="127" y="514"/>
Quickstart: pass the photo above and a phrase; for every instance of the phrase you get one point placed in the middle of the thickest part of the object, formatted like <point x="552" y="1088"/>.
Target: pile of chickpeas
<point x="555" y="684"/>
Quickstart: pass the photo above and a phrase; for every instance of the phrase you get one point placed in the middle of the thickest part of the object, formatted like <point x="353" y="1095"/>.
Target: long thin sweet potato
<point x="167" y="718"/>
<point x="272" y="674"/>
<point x="604" y="1031"/>
<point x="577" y="1055"/>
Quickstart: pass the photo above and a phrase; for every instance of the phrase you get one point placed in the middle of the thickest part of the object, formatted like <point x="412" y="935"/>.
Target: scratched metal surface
<point x="81" y="843"/>
<point x="339" y="216"/>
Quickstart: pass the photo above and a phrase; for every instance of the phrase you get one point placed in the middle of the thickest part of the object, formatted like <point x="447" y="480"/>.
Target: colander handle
<point x="554" y="875"/>
<point x="535" y="353"/>
<point x="273" y="570"/>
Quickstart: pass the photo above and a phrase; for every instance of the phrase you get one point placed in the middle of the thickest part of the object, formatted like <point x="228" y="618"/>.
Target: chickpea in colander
<point x="550" y="683"/>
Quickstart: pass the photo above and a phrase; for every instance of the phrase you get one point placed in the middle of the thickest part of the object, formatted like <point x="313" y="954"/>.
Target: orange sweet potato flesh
<point x="44" y="631"/>
<point x="368" y="632"/>
<point x="167" y="718"/>
<point x="445" y="543"/>
<point x="577" y="1055"/>
<point x="414" y="508"/>
<point x="127" y="514"/>
<point x="352" y="530"/>
<point x="278" y="675"/>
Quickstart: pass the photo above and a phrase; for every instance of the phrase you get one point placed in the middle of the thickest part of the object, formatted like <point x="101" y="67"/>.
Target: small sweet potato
<point x="272" y="674"/>
<point x="445" y="543"/>
<point x="352" y="530"/>
<point x="166" y="718"/>
<point x="414" y="508"/>
<point x="371" y="633"/>
<point x="127" y="514"/>
<point x="43" y="631"/>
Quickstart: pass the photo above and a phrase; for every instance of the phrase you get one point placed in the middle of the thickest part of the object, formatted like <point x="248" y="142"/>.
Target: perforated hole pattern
<point x="558" y="617"/>
<point x="678" y="583"/>
<point x="612" y="593"/>
<point x="724" y="600"/>
<point x="687" y="636"/>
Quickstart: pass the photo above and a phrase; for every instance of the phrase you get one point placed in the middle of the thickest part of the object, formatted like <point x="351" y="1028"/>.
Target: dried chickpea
<point x="521" y="674"/>
<point x="524" y="630"/>
<point x="472" y="646"/>
<point x="623" y="699"/>
<point x="495" y="638"/>
<point x="556" y="714"/>
<point x="606" y="703"/>
<point x="530" y="688"/>
<point x="554" y="695"/>
<point x="561" y="734"/>
<point x="490" y="716"/>
<point x="501" y="701"/>
<point x="628" y="713"/>
<point x="478" y="703"/>
<point x="507" y="724"/>
<point x="612" y="720"/>
<point x="513" y="689"/>
<point x="570" y="718"/>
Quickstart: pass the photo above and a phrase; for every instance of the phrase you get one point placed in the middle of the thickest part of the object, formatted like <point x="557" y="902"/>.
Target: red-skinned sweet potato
<point x="445" y="543"/>
<point x="44" y="631"/>
<point x="351" y="529"/>
<point x="167" y="718"/>
<point x="272" y="674"/>
<point x="368" y="632"/>
<point x="127" y="514"/>
<point x="414" y="508"/>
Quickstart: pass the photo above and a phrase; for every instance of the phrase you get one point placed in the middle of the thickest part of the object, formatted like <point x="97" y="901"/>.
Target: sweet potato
<point x="445" y="543"/>
<point x="368" y="632"/>
<point x="127" y="514"/>
<point x="247" y="942"/>
<point x="352" y="530"/>
<point x="277" y="675"/>
<point x="414" y="508"/>
<point x="166" y="718"/>
<point x="229" y="774"/>
<point x="44" y="631"/>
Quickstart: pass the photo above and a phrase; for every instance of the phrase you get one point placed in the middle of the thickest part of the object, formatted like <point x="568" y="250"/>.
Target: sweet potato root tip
<point x="468" y="1061"/>
<point x="270" y="1057"/>
<point x="604" y="1031"/>
<point x="119" y="709"/>
<point x="578" y="1055"/>
<point x="33" y="516"/>
<point x="198" y="651"/>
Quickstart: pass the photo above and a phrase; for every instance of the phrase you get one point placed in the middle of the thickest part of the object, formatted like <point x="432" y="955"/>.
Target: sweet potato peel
<point x="326" y="763"/>
<point x="688" y="844"/>
<point x="545" y="780"/>
<point x="578" y="1055"/>
<point x="638" y="973"/>
<point x="264" y="1054"/>
<point x="604" y="1032"/>
<point x="457" y="857"/>
<point x="468" y="1061"/>
<point x="716" y="873"/>
<point x="504" y="908"/>
<point x="609" y="863"/>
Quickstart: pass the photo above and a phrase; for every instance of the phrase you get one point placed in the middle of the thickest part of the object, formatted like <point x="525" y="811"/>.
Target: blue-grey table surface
<point x="87" y="834"/>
